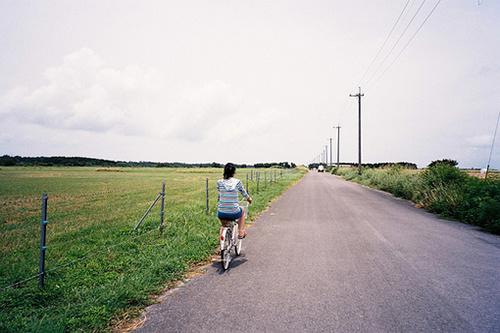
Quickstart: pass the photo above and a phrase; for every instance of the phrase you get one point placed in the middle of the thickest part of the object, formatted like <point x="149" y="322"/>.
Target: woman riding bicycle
<point x="228" y="208"/>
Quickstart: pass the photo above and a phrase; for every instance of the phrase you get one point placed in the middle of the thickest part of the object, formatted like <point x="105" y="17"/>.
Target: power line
<point x="385" y="41"/>
<point x="397" y="42"/>
<point x="409" y="41"/>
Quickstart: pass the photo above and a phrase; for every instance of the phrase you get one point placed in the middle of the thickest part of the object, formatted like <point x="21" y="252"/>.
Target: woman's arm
<point x="243" y="192"/>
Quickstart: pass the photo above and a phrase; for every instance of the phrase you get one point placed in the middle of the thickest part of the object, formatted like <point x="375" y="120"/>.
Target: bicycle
<point x="229" y="240"/>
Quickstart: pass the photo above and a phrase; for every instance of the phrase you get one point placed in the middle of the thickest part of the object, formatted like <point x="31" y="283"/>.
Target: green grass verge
<point x="91" y="212"/>
<point x="441" y="189"/>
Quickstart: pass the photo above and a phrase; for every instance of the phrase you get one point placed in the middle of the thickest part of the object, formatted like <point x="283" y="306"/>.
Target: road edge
<point x="135" y="317"/>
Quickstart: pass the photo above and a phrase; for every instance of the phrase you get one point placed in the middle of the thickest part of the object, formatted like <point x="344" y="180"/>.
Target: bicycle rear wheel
<point x="226" y="253"/>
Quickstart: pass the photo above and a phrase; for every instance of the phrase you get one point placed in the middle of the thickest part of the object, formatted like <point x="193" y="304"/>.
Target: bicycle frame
<point x="234" y="235"/>
<point x="229" y="240"/>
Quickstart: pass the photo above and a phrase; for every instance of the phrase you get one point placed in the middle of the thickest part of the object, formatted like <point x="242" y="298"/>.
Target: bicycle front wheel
<point x="237" y="247"/>
<point x="237" y="241"/>
<point x="226" y="253"/>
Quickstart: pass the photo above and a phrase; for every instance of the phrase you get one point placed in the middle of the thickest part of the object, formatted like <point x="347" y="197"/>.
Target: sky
<point x="249" y="81"/>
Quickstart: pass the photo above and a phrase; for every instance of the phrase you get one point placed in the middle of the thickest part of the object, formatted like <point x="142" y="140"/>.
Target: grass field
<point x="91" y="215"/>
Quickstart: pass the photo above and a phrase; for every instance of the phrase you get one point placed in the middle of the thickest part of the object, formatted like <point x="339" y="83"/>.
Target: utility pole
<point x="326" y="155"/>
<point x="338" y="144"/>
<point x="492" y="146"/>
<point x="359" y="95"/>
<point x="331" y="154"/>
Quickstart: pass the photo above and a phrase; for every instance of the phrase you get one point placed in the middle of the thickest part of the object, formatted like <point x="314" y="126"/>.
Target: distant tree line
<point x="7" y="160"/>
<point x="284" y="165"/>
<point x="406" y="165"/>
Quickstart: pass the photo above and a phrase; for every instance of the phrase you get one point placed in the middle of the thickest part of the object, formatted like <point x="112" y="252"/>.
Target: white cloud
<point x="216" y="112"/>
<point x="84" y="93"/>
<point x="200" y="110"/>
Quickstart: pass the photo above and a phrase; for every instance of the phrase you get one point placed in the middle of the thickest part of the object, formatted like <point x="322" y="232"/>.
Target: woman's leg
<point x="241" y="224"/>
<point x="222" y="224"/>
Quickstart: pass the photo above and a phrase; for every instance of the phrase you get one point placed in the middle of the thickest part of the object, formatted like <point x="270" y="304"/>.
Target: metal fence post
<point x="251" y="175"/>
<point x="206" y="194"/>
<point x="248" y="188"/>
<point x="43" y="238"/>
<point x="162" y="210"/>
<point x="257" y="179"/>
<point x="265" y="178"/>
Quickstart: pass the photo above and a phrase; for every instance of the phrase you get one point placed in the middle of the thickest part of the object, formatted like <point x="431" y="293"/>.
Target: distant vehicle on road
<point x="321" y="168"/>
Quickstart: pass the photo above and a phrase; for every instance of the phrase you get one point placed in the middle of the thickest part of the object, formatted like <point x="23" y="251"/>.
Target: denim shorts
<point x="230" y="216"/>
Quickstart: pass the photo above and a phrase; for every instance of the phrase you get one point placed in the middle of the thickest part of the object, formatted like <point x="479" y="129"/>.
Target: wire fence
<point x="84" y="257"/>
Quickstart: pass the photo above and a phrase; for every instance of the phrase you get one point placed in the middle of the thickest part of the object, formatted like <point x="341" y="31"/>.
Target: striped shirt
<point x="228" y="195"/>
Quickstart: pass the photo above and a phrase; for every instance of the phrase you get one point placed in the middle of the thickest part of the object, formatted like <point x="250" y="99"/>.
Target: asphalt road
<point x="333" y="256"/>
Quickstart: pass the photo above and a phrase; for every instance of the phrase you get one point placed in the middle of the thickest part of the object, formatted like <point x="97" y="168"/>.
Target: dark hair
<point x="229" y="170"/>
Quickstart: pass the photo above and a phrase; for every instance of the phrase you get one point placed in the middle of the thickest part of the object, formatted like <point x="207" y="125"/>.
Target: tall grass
<point x="401" y="182"/>
<point x="91" y="216"/>
<point x="442" y="189"/>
